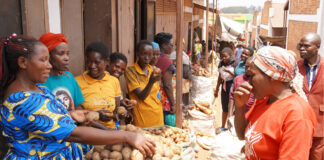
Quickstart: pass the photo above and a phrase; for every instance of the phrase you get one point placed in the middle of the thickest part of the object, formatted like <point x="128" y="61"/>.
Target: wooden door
<point x="148" y="20"/>
<point x="10" y="17"/>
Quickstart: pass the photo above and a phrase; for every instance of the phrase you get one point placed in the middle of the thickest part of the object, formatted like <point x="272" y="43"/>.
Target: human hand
<point x="216" y="93"/>
<point x="104" y="117"/>
<point x="126" y="103"/>
<point x="144" y="145"/>
<point x="173" y="109"/>
<point x="242" y="94"/>
<point x="79" y="115"/>
<point x="155" y="77"/>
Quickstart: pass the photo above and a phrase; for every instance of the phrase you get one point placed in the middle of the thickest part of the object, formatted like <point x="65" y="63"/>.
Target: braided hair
<point x="11" y="48"/>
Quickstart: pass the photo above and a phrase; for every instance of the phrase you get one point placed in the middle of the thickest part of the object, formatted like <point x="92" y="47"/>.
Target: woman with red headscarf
<point x="281" y="124"/>
<point x="61" y="82"/>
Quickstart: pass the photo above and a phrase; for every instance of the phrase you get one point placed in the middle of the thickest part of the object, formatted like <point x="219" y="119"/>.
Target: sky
<point x="247" y="3"/>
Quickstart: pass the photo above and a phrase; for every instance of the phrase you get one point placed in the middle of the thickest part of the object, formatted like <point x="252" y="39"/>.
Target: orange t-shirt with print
<point x="281" y="130"/>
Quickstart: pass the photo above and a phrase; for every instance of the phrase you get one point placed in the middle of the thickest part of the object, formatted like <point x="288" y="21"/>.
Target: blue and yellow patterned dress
<point x="36" y="126"/>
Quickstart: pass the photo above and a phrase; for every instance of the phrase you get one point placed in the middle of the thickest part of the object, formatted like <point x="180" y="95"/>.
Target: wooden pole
<point x="179" y="43"/>
<point x="214" y="31"/>
<point x="214" y="39"/>
<point x="206" y="45"/>
<point x="215" y="25"/>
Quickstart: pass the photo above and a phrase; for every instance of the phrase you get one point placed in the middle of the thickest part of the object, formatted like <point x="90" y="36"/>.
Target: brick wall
<point x="255" y="15"/>
<point x="296" y="30"/>
<point x="254" y="24"/>
<point x="265" y="13"/>
<point x="253" y="37"/>
<point x="265" y="17"/>
<point x="263" y="32"/>
<point x="278" y="31"/>
<point x="304" y="6"/>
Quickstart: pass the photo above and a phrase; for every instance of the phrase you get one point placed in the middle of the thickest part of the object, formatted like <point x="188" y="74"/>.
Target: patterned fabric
<point x="36" y="125"/>
<point x="280" y="64"/>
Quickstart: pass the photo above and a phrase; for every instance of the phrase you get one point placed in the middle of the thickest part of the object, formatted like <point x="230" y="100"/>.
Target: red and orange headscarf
<point x="280" y="64"/>
<point x="51" y="40"/>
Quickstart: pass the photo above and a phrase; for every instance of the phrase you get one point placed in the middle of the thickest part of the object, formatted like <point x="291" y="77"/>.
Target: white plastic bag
<point x="226" y="146"/>
<point x="202" y="125"/>
<point x="202" y="89"/>
<point x="225" y="75"/>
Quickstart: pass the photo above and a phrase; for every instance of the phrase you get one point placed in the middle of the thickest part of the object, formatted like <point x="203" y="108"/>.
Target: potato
<point x="121" y="111"/>
<point x="132" y="102"/>
<point x="99" y="148"/>
<point x="115" y="155"/>
<point x="117" y="147"/>
<point x="156" y="71"/>
<point x="122" y="127"/>
<point x="176" y="157"/>
<point x="157" y="157"/>
<point x="159" y="150"/>
<point x="131" y="128"/>
<point x="176" y="150"/>
<point x="96" y="156"/>
<point x="137" y="155"/>
<point x="105" y="154"/>
<point x="127" y="152"/>
<point x="89" y="155"/>
<point x="92" y="116"/>
<point x="168" y="153"/>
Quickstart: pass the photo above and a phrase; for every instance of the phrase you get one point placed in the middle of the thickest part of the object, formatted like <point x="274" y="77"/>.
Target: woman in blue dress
<point x="34" y="123"/>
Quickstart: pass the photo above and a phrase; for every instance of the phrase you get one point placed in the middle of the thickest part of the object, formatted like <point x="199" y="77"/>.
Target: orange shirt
<point x="147" y="113"/>
<point x="281" y="130"/>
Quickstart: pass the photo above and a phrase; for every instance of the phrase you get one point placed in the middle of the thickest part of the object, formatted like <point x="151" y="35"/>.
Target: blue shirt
<point x="238" y="53"/>
<point x="65" y="88"/>
<point x="240" y="69"/>
<point x="311" y="72"/>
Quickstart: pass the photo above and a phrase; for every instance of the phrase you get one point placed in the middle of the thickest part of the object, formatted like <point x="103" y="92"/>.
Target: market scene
<point x="162" y="79"/>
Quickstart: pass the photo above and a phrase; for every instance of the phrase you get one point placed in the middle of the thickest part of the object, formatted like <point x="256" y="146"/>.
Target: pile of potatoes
<point x="202" y="106"/>
<point x="116" y="152"/>
<point x="165" y="149"/>
<point x="175" y="134"/>
<point x="199" y="71"/>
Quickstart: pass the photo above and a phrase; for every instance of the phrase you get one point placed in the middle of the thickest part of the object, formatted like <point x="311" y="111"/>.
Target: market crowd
<point x="277" y="101"/>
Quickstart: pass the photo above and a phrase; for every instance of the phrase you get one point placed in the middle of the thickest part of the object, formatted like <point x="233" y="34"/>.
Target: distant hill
<point x="239" y="9"/>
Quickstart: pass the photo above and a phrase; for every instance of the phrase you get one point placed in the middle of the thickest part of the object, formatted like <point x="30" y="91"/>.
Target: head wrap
<point x="51" y="40"/>
<point x="155" y="45"/>
<point x="280" y="64"/>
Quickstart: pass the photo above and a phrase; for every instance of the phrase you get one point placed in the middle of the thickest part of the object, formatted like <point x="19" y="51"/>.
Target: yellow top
<point x="147" y="113"/>
<point x="99" y="94"/>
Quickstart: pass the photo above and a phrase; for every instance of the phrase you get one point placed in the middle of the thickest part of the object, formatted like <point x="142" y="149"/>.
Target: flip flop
<point x="219" y="130"/>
